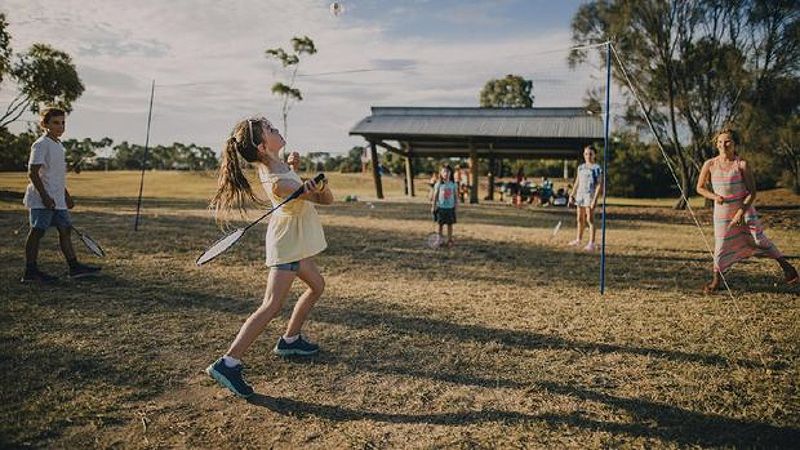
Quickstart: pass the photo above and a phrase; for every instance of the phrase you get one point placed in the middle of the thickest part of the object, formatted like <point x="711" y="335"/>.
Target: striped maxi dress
<point x="743" y="241"/>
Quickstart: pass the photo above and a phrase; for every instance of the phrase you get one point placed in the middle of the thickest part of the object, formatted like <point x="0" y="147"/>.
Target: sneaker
<point x="299" y="347"/>
<point x="230" y="377"/>
<point x="574" y="243"/>
<point x="791" y="277"/>
<point x="82" y="270"/>
<point x="37" y="276"/>
<point x="589" y="247"/>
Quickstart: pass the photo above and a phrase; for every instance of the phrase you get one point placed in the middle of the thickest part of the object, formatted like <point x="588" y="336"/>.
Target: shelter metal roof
<point x="514" y="132"/>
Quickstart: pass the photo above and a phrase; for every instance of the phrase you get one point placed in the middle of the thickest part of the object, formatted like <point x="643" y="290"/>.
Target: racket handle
<point x="317" y="179"/>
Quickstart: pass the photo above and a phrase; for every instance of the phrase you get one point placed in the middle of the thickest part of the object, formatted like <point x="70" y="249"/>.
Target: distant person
<point x="48" y="199"/>
<point x="432" y="184"/>
<point x="294" y="237"/>
<point x="443" y="204"/>
<point x="466" y="185"/>
<point x="588" y="187"/>
<point x="546" y="191"/>
<point x="461" y="178"/>
<point x="519" y="179"/>
<point x="560" y="199"/>
<point x="738" y="233"/>
<point x="294" y="161"/>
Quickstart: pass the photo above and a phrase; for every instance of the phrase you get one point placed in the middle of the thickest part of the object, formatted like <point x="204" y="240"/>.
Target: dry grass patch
<point x="500" y="342"/>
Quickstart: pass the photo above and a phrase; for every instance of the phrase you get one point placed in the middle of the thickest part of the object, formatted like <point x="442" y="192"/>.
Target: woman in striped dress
<point x="738" y="233"/>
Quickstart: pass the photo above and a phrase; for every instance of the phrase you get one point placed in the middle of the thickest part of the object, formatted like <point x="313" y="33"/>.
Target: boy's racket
<point x="90" y="243"/>
<point x="227" y="241"/>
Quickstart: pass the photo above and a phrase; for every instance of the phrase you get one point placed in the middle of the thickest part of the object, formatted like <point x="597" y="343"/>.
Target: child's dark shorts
<point x="446" y="216"/>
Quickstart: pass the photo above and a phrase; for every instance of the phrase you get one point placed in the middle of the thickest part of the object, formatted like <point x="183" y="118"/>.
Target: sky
<point x="207" y="58"/>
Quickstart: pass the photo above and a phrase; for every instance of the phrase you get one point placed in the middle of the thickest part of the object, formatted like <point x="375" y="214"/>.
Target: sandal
<point x="711" y="287"/>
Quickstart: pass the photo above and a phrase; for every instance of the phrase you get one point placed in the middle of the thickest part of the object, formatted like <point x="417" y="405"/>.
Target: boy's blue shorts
<point x="43" y="218"/>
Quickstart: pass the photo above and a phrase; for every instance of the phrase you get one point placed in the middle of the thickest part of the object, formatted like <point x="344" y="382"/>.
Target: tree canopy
<point x="290" y="61"/>
<point x="697" y="65"/>
<point x="43" y="75"/>
<point x="513" y="91"/>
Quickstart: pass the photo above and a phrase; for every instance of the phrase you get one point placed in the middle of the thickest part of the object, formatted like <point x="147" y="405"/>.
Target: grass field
<point x="500" y="342"/>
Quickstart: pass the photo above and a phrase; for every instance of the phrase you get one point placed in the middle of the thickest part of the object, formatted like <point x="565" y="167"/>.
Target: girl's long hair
<point x="233" y="189"/>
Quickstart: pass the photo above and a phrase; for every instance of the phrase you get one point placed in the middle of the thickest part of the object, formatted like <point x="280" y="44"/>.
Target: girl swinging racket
<point x="294" y="237"/>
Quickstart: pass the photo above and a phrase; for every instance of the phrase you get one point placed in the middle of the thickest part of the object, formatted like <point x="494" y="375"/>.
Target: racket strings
<point x="92" y="245"/>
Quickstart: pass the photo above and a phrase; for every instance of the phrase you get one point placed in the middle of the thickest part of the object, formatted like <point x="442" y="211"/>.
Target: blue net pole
<point x="606" y="142"/>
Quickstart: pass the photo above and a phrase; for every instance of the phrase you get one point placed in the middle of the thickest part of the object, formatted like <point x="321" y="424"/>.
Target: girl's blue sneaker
<point x="299" y="347"/>
<point x="230" y="377"/>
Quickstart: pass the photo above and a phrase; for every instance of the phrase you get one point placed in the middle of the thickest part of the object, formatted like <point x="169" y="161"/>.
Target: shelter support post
<point x="376" y="170"/>
<point x="473" y="173"/>
<point x="490" y="195"/>
<point x="410" y="173"/>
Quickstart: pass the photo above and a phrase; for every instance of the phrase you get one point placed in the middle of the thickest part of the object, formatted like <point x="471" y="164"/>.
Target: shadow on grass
<point x="147" y="203"/>
<point x="525" y="340"/>
<point x="351" y="249"/>
<point x="149" y="297"/>
<point x="652" y="420"/>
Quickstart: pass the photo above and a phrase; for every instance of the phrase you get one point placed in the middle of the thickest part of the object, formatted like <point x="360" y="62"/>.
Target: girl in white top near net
<point x="587" y="190"/>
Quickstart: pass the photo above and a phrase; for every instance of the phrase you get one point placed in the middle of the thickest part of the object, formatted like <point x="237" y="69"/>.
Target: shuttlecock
<point x="337" y="8"/>
<point x="557" y="227"/>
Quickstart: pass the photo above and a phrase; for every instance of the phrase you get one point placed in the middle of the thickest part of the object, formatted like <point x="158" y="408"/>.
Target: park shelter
<point x="477" y="133"/>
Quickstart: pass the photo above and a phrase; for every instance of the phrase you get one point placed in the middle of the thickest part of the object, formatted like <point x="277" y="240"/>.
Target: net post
<point x="144" y="157"/>
<point x="606" y="142"/>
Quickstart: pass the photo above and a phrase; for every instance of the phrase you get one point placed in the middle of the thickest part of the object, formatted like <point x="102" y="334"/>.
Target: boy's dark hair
<point x="591" y="147"/>
<point x="50" y="112"/>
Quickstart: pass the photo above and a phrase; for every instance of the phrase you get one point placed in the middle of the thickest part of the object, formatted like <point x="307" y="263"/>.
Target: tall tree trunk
<point x="684" y="178"/>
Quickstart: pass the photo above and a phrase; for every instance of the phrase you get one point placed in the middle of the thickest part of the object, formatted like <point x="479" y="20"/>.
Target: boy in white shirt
<point x="48" y="199"/>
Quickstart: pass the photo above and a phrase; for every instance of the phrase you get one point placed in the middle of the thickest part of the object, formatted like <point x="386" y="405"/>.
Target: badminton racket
<point x="227" y="241"/>
<point x="434" y="239"/>
<point x="90" y="243"/>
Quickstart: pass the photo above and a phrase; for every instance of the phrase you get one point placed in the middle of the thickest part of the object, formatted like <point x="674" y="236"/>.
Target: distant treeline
<point x="103" y="154"/>
<point x="88" y="154"/>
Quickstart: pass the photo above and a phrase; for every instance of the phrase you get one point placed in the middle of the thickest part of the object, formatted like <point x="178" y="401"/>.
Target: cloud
<point x="207" y="58"/>
<point x="120" y="47"/>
